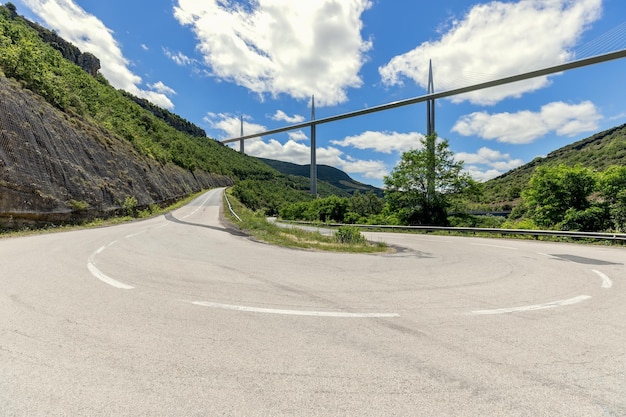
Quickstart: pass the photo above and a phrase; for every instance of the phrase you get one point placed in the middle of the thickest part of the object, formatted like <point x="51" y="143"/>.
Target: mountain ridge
<point x="326" y="173"/>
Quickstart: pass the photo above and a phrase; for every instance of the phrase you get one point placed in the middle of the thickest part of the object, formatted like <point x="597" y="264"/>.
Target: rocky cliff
<point x="59" y="168"/>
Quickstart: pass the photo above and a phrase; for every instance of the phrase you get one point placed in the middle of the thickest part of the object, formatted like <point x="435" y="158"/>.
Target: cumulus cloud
<point x="487" y="163"/>
<point x="298" y="136"/>
<point x="159" y="87"/>
<point x="230" y="125"/>
<point x="495" y="40"/>
<point x="385" y="142"/>
<point x="298" y="48"/>
<point x="293" y="150"/>
<point x="525" y="126"/>
<point x="282" y="116"/>
<point x="90" y="34"/>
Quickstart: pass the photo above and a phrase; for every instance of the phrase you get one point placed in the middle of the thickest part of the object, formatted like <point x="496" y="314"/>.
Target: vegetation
<point x="426" y="183"/>
<point x="359" y="208"/>
<point x="597" y="152"/>
<point x="346" y="239"/>
<point x="574" y="198"/>
<point x="168" y="117"/>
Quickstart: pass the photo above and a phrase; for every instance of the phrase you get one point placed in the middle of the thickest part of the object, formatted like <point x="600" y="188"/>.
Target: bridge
<point x="429" y="98"/>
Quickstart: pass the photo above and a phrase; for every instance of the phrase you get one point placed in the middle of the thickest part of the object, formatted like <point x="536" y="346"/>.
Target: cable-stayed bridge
<point x="607" y="47"/>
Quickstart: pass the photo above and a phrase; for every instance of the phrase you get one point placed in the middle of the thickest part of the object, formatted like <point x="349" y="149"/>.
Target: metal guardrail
<point x="230" y="207"/>
<point x="536" y="233"/>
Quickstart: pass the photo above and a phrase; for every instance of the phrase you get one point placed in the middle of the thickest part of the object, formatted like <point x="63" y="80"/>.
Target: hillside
<point x="72" y="147"/>
<point x="55" y="168"/>
<point x="331" y="175"/>
<point x="597" y="152"/>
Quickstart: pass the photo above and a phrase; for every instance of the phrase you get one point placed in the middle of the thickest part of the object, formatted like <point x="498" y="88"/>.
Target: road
<point x="179" y="316"/>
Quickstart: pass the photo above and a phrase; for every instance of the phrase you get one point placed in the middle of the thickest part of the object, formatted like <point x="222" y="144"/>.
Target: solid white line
<point x="294" y="312"/>
<point x="552" y="304"/>
<point x="106" y="279"/>
<point x="606" y="281"/>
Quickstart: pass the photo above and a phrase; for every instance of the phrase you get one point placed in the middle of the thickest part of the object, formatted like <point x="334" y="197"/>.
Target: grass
<point x="256" y="225"/>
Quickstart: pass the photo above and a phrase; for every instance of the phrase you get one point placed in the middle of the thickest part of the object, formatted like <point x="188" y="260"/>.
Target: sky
<point x="217" y="62"/>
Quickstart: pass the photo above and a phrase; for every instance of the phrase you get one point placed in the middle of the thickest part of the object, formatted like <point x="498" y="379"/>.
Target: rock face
<point x="87" y="61"/>
<point x="57" y="168"/>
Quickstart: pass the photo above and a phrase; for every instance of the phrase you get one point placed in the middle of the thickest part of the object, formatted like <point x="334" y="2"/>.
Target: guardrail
<point x="230" y="207"/>
<point x="536" y="233"/>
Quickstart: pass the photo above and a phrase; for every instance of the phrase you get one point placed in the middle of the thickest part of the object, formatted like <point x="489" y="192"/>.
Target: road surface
<point x="179" y="316"/>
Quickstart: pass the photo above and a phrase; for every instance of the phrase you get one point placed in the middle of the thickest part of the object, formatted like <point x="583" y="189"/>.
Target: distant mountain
<point x="325" y="173"/>
<point x="597" y="152"/>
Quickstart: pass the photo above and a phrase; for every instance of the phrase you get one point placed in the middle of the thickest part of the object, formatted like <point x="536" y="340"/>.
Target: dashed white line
<point x="294" y="312"/>
<point x="606" y="281"/>
<point x="534" y="307"/>
<point x="105" y="278"/>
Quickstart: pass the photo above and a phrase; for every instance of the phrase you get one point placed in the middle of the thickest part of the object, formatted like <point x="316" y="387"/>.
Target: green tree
<point x="557" y="192"/>
<point x="612" y="186"/>
<point x="365" y="204"/>
<point x="421" y="187"/>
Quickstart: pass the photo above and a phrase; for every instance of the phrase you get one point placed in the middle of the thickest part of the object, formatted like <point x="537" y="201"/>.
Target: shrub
<point x="349" y="235"/>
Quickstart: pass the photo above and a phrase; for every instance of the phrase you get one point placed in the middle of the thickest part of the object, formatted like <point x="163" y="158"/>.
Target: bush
<point x="592" y="219"/>
<point x="130" y="206"/>
<point x="349" y="235"/>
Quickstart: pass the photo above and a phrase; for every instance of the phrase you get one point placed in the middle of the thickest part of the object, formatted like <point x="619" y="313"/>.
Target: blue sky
<point x="214" y="61"/>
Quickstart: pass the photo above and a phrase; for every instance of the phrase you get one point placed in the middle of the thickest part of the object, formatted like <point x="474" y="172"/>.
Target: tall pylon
<point x="430" y="139"/>
<point x="430" y="104"/>
<point x="313" y="151"/>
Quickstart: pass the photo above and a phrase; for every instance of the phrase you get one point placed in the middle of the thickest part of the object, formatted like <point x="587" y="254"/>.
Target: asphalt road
<point x="178" y="316"/>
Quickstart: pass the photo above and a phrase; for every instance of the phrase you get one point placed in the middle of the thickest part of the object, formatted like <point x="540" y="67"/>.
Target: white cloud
<point x="179" y="58"/>
<point x="385" y="142"/>
<point x="480" y="174"/>
<point x="230" y="124"/>
<point x="293" y="151"/>
<point x="89" y="34"/>
<point x="159" y="87"/>
<point x="487" y="163"/>
<point x="282" y="116"/>
<point x="525" y="126"/>
<point x="298" y="136"/>
<point x="144" y="47"/>
<point x="495" y="40"/>
<point x="298" y="48"/>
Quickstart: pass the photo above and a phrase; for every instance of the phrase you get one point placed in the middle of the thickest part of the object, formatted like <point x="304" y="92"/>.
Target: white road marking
<point x="105" y="278"/>
<point x="552" y="304"/>
<point x="493" y="246"/>
<point x="606" y="281"/>
<point x="294" y="312"/>
<point x="199" y="207"/>
<point x="102" y="248"/>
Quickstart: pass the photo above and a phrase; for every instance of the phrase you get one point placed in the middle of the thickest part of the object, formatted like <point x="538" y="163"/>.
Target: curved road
<point x="178" y="316"/>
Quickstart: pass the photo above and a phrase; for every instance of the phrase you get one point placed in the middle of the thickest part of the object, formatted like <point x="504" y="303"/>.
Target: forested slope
<point x="597" y="152"/>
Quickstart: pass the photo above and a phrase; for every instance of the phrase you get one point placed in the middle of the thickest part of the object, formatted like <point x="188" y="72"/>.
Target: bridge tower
<point x="313" y="174"/>
<point x="430" y="138"/>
